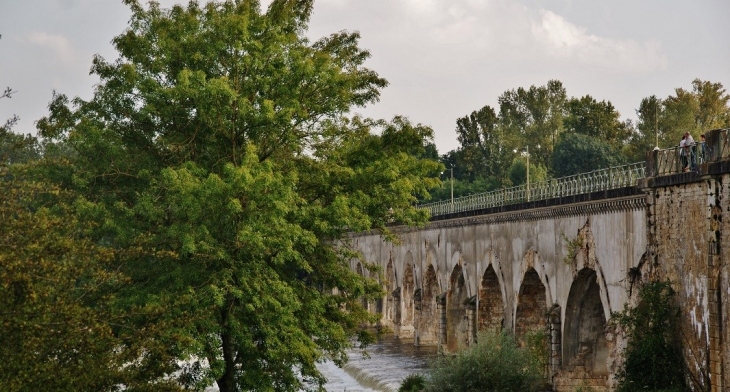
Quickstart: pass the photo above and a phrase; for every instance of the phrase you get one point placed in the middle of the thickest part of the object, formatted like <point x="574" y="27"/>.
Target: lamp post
<point x="527" y="149"/>
<point x="452" y="186"/>
<point x="656" y="122"/>
<point x="527" y="154"/>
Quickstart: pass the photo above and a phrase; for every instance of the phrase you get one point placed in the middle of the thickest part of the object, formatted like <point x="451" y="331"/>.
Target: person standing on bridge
<point x="683" y="152"/>
<point x="689" y="145"/>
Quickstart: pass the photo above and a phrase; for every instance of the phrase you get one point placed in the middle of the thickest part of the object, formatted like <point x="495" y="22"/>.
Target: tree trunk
<point x="227" y="382"/>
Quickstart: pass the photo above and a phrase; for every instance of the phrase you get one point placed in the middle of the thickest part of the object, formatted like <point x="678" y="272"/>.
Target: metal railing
<point x="598" y="180"/>
<point x="679" y="159"/>
<point x="661" y="162"/>
<point x="675" y="160"/>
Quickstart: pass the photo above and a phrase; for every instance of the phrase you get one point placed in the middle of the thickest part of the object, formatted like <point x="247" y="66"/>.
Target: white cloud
<point x="563" y="39"/>
<point x="58" y="44"/>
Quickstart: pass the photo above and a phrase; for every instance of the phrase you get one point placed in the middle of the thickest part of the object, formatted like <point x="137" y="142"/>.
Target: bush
<point x="495" y="363"/>
<point x="653" y="356"/>
<point x="413" y="383"/>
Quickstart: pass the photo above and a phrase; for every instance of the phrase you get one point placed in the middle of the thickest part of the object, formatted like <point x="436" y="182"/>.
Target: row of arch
<point x="452" y="318"/>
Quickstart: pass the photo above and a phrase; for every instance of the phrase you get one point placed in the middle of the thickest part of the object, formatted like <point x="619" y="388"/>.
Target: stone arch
<point x="407" y="291"/>
<point x="532" y="311"/>
<point x="491" y="303"/>
<point x="584" y="338"/>
<point x="457" y="325"/>
<point x="427" y="308"/>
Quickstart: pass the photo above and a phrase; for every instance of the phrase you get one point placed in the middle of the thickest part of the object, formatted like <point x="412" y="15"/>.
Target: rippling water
<point x="391" y="360"/>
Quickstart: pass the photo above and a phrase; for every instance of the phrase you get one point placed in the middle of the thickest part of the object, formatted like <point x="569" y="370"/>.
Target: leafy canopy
<point x="220" y="140"/>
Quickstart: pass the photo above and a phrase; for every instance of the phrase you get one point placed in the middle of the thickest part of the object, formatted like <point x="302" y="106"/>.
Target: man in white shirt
<point x="689" y="145"/>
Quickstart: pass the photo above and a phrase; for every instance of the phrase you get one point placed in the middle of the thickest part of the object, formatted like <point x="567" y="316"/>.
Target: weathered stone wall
<point x="688" y="236"/>
<point x="561" y="269"/>
<point x="525" y="262"/>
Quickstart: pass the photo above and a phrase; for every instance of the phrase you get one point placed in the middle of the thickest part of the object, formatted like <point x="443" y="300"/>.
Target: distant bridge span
<point x="554" y="268"/>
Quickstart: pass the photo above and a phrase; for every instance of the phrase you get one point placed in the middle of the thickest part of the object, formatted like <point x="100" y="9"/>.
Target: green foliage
<point x="705" y="107"/>
<point x="218" y="143"/>
<point x="59" y="329"/>
<point x="482" y="152"/>
<point x="16" y="148"/>
<point x="600" y="120"/>
<point x="495" y="363"/>
<point x="573" y="247"/>
<point x="518" y="172"/>
<point x="577" y="153"/>
<point x="461" y="187"/>
<point x="534" y="117"/>
<point x="537" y="342"/>
<point x="413" y="383"/>
<point x="644" y="139"/>
<point x="653" y="357"/>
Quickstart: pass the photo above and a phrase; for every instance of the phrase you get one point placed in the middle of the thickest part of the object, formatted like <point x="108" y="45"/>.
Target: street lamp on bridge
<point x="526" y="153"/>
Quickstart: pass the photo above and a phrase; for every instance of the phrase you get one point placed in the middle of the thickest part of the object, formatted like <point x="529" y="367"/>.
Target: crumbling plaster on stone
<point x="684" y="228"/>
<point x="699" y="312"/>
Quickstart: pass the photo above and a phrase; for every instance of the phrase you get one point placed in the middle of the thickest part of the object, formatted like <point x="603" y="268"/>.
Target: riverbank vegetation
<point x="494" y="363"/>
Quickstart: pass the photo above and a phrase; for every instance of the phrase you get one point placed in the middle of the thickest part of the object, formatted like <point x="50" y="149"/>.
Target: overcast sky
<point x="443" y="59"/>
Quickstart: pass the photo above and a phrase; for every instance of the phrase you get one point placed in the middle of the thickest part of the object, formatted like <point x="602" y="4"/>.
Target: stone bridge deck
<point x="553" y="270"/>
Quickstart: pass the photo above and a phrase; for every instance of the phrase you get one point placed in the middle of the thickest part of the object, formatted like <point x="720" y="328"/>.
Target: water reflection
<point x="390" y="361"/>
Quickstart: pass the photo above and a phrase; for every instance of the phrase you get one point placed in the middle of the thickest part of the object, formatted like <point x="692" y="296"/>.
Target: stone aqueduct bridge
<point x="556" y="267"/>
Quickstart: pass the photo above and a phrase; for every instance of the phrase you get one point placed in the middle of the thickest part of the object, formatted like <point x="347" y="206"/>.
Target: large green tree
<point x="482" y="146"/>
<point x="533" y="117"/>
<point x="578" y="153"/>
<point x="705" y="107"/>
<point x="601" y="120"/>
<point x="219" y="138"/>
<point x="647" y="134"/>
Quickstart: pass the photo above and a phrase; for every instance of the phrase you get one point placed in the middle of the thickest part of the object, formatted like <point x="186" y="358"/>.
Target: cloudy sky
<point x="443" y="59"/>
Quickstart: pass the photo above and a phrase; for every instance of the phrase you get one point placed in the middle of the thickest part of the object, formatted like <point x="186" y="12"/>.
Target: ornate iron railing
<point x="598" y="180"/>
<point x="679" y="159"/>
<point x="661" y="162"/>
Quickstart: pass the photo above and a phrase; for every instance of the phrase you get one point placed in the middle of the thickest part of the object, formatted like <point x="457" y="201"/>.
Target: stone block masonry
<point x="558" y="269"/>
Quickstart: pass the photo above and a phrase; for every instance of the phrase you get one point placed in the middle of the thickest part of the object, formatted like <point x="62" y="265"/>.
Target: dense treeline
<point x="568" y="135"/>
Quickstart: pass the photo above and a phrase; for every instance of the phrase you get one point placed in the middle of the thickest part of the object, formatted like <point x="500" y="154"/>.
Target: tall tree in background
<point x="219" y="139"/>
<point x="599" y="120"/>
<point x="579" y="153"/>
<point x="704" y="108"/>
<point x="713" y="100"/>
<point x="534" y="117"/>
<point x="483" y="146"/>
<point x="647" y="134"/>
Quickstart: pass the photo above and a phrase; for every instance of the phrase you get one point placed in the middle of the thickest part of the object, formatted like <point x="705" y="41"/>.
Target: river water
<point x="390" y="361"/>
